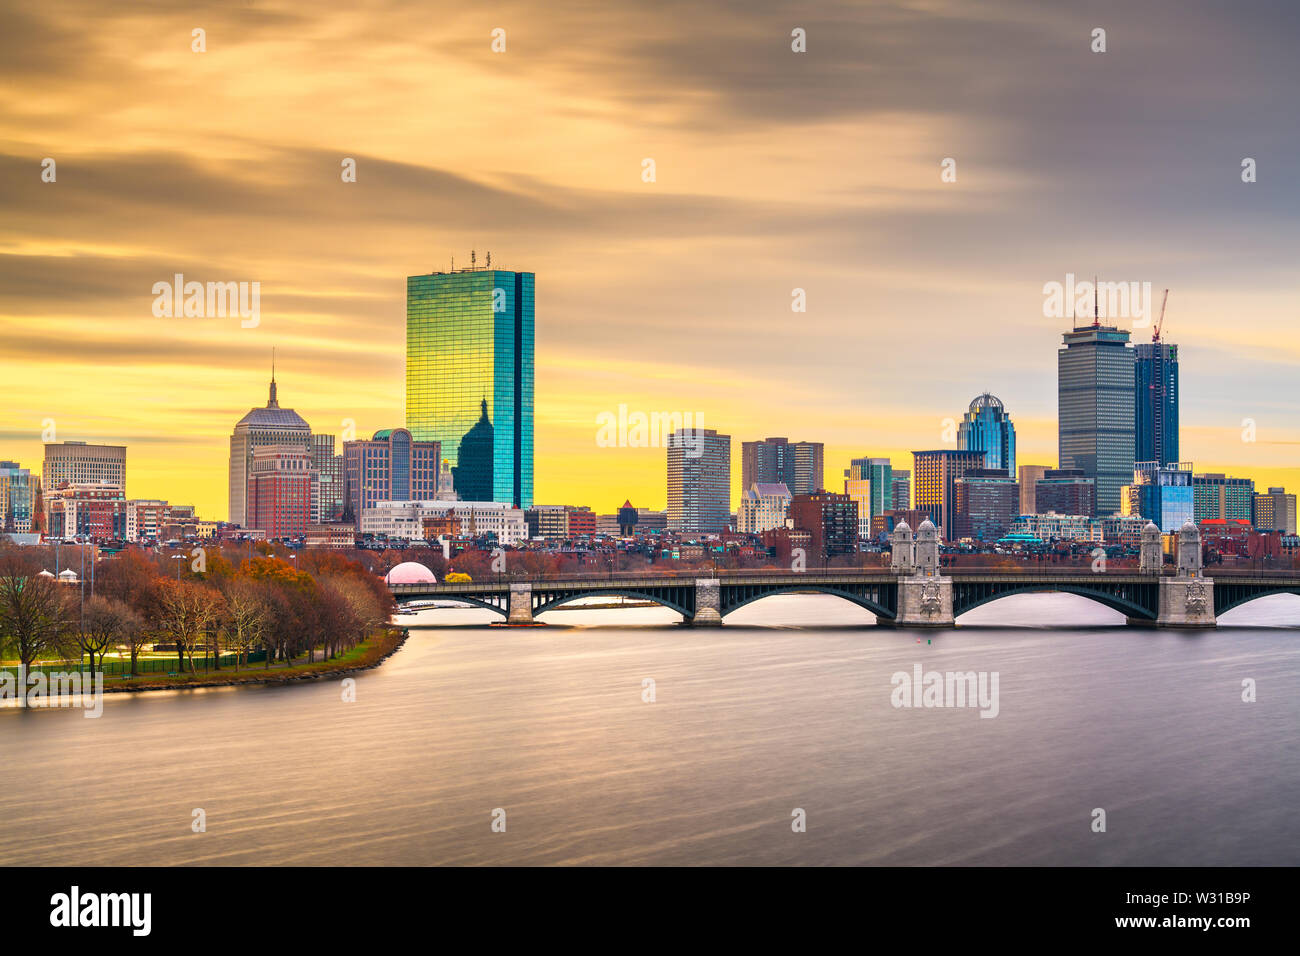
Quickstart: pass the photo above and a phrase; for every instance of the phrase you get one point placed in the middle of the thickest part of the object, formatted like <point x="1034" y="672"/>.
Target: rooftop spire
<point x="271" y="401"/>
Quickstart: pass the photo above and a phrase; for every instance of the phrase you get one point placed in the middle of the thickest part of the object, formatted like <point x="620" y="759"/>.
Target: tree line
<point x="221" y="601"/>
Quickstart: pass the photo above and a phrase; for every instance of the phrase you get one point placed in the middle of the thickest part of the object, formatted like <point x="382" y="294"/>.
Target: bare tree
<point x="35" y="615"/>
<point x="246" y="617"/>
<point x="187" y="610"/>
<point x="109" y="623"/>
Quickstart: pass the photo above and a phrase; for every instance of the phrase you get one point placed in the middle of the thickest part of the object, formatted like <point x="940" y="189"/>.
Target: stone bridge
<point x="915" y="591"/>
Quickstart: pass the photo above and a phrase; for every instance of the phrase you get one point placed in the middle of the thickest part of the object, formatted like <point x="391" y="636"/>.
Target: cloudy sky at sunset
<point x="775" y="170"/>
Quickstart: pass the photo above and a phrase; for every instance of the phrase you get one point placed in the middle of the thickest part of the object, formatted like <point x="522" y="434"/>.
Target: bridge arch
<point x="1233" y="600"/>
<point x="463" y="599"/>
<point x="963" y="602"/>
<point x="547" y="604"/>
<point x="861" y="601"/>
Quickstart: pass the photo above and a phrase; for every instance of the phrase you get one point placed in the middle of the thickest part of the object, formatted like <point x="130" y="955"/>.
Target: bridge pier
<point x="1188" y="599"/>
<point x="924" y="601"/>
<point x="521" y="604"/>
<point x="708" y="603"/>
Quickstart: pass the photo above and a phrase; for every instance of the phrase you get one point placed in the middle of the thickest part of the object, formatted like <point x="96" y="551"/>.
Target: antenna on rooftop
<point x="489" y="260"/>
<point x="473" y="260"/>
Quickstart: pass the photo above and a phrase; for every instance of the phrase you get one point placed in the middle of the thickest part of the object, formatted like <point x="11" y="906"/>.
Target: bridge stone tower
<point x="903" y="549"/>
<point x="1151" y="552"/>
<point x="1187" y="600"/>
<point x="924" y="594"/>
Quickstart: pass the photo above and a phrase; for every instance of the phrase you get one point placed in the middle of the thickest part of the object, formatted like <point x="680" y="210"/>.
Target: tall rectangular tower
<point x="699" y="480"/>
<point x="1095" y="408"/>
<point x="1155" y="401"/>
<point x="469" y="378"/>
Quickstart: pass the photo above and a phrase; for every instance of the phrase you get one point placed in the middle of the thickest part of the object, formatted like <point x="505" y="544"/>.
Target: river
<point x="787" y="707"/>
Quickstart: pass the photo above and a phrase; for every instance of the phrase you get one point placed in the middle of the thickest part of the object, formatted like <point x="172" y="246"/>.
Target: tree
<point x="187" y="611"/>
<point x="35" y="614"/>
<point x="246" y="617"/>
<point x="109" y="622"/>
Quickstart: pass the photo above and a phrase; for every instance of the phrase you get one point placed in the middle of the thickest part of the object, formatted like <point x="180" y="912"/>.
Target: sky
<point x="774" y="170"/>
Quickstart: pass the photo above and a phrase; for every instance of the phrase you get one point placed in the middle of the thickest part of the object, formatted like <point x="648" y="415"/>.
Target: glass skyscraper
<point x="1155" y="381"/>
<point x="469" y="378"/>
<point x="1095" y="405"/>
<point x="986" y="427"/>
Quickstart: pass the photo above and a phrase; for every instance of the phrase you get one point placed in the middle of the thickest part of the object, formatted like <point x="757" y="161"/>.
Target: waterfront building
<point x="17" y="498"/>
<point x="413" y="520"/>
<point x="1215" y="495"/>
<point x="987" y="427"/>
<point x="331" y="536"/>
<point x="261" y="427"/>
<point x="1029" y="475"/>
<point x="831" y="521"/>
<point x="1095" y="408"/>
<point x="699" y="480"/>
<point x="797" y="465"/>
<point x="936" y="473"/>
<point x="1066" y="491"/>
<point x="985" y="503"/>
<point x="1155" y="402"/>
<point x="469" y="377"/>
<point x="1275" y="511"/>
<point x="763" y="506"/>
<point x="80" y="463"/>
<point x="389" y="466"/>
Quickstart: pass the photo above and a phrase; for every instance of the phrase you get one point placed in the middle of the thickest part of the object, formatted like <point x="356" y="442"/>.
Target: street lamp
<point x="178" y="558"/>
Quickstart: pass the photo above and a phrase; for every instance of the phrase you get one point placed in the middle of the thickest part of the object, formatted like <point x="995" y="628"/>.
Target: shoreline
<point x="326" y="672"/>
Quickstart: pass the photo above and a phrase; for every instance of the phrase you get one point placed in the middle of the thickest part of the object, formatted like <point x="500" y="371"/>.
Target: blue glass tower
<point x="986" y="427"/>
<point x="469" y="378"/>
<point x="1155" y="402"/>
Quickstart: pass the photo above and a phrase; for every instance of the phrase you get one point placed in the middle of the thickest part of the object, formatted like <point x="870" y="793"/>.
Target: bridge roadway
<point x="1165" y="599"/>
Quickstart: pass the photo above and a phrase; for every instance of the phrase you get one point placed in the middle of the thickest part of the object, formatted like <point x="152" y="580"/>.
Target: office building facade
<point x="830" y="520"/>
<point x="1161" y="494"/>
<point x="1275" y="511"/>
<point x="331" y="486"/>
<point x="1065" y="491"/>
<point x="699" y="480"/>
<point x="17" y="498"/>
<point x="1218" y="496"/>
<point x="1155" y="402"/>
<point x="469" y="378"/>
<point x="763" y="507"/>
<point x="902" y="482"/>
<point x="1095" y="409"/>
<point x="389" y="466"/>
<point x="1029" y="475"/>
<point x="936" y="473"/>
<point x="260" y="428"/>
<point x="797" y="465"/>
<point x="80" y="463"/>
<point x="986" y="427"/>
<point x="985" y="503"/>
<point x="280" y="485"/>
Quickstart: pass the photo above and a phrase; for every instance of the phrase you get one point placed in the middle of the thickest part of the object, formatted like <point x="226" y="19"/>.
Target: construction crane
<point x="1155" y="333"/>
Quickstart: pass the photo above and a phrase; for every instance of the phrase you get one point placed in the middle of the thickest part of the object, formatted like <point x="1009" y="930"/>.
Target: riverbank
<point x="365" y="656"/>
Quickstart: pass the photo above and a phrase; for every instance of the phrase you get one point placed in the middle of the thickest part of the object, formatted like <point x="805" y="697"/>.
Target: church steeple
<point x="271" y="401"/>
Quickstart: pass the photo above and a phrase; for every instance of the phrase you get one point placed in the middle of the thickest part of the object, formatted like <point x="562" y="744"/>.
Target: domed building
<point x="271" y="425"/>
<point x="410" y="572"/>
<point x="988" y="428"/>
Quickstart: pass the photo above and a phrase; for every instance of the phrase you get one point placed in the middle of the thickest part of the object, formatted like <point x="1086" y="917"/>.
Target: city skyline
<point x="817" y="171"/>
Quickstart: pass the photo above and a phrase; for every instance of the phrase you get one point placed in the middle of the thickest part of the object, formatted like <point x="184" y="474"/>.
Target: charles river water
<point x="787" y="707"/>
